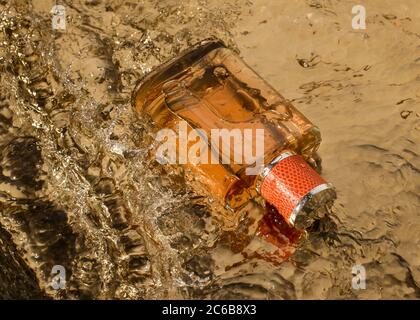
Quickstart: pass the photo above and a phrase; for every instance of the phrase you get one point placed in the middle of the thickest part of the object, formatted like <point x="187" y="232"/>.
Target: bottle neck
<point x="289" y="183"/>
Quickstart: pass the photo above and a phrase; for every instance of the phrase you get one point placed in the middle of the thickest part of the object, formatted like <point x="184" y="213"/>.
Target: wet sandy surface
<point x="76" y="188"/>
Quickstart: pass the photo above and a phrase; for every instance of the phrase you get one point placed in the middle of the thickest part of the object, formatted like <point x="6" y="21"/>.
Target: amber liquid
<point x="210" y="87"/>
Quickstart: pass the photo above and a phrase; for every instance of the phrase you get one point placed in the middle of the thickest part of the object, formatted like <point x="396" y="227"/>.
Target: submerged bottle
<point x="208" y="89"/>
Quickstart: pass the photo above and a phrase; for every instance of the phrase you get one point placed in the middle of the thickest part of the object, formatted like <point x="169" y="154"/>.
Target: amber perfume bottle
<point x="209" y="87"/>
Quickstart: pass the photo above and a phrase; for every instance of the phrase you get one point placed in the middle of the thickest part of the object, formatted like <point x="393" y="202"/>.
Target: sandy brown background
<point x="77" y="191"/>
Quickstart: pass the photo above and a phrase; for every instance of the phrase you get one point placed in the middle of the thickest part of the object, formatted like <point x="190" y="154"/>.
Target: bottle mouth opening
<point x="313" y="206"/>
<point x="296" y="190"/>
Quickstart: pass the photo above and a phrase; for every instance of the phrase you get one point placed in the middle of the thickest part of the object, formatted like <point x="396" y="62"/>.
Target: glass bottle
<point x="209" y="87"/>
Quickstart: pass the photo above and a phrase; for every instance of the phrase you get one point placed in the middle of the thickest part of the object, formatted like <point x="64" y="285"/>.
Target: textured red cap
<point x="288" y="183"/>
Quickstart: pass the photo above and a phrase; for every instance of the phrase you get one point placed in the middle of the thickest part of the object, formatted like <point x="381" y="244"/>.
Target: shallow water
<point x="78" y="190"/>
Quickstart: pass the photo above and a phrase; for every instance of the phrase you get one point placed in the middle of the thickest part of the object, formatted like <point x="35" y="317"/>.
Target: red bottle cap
<point x="289" y="182"/>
